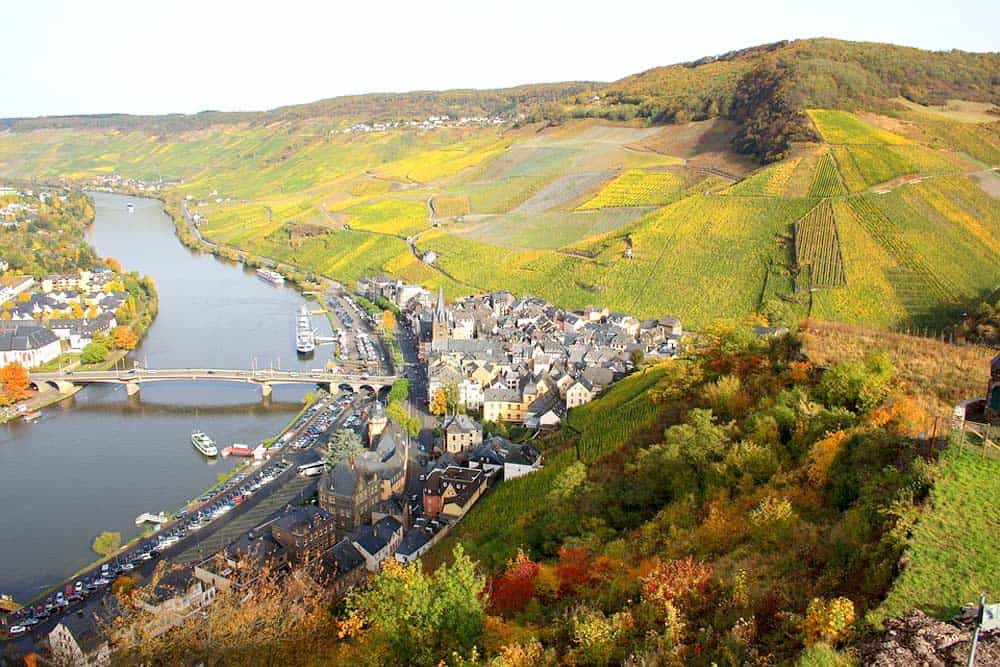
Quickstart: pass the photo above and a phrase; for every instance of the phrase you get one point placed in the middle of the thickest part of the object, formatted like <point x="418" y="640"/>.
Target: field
<point x="952" y="552"/>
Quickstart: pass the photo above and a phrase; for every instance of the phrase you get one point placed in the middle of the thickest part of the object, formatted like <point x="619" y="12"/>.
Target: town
<point x="481" y="377"/>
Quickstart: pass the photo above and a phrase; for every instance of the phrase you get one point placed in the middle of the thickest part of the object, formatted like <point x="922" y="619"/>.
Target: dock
<point x="149" y="517"/>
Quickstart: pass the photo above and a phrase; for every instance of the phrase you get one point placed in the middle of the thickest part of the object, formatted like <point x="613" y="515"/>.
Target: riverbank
<point x="190" y="505"/>
<point x="93" y="463"/>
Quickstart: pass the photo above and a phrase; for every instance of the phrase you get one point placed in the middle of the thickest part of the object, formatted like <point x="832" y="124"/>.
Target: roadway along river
<point x="97" y="460"/>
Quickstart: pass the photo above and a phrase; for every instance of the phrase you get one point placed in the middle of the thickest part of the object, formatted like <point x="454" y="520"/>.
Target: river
<point x="97" y="460"/>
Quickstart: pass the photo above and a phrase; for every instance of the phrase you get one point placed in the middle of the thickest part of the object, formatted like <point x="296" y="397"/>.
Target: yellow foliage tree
<point x="439" y="402"/>
<point x="388" y="321"/>
<point x="821" y="457"/>
<point x="831" y="621"/>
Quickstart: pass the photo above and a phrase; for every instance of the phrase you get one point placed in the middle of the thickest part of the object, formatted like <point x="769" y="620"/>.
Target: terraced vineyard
<point x="637" y="187"/>
<point x="550" y="210"/>
<point x="826" y="180"/>
<point x="818" y="247"/>
<point x="842" y="127"/>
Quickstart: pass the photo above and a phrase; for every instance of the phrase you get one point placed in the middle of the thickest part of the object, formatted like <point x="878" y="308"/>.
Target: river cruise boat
<point x="270" y="276"/>
<point x="204" y="444"/>
<point x="305" y="337"/>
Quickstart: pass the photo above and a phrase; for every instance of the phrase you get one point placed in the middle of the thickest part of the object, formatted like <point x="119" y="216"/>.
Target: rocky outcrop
<point x="918" y="640"/>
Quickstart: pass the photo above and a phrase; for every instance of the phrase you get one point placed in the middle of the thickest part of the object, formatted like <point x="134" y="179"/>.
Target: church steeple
<point x="440" y="314"/>
<point x="439" y="328"/>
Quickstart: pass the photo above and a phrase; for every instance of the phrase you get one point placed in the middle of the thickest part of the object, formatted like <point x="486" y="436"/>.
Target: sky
<point x="72" y="57"/>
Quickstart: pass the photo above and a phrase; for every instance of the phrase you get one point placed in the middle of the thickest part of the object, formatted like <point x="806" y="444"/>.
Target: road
<point x="417" y="374"/>
<point x="261" y="507"/>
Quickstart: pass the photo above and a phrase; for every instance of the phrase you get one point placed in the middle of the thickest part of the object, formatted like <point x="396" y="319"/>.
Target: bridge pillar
<point x="266" y="389"/>
<point x="131" y="388"/>
<point x="64" y="387"/>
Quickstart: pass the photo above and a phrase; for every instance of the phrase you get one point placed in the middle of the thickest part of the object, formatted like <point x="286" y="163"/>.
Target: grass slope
<point x="952" y="553"/>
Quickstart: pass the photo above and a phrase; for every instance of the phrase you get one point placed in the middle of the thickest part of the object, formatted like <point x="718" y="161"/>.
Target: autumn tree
<point x="676" y="583"/>
<point x="124" y="338"/>
<point x="830" y="621"/>
<point x="388" y="321"/>
<point x="113" y="264"/>
<point x="15" y="383"/>
<point x="107" y="543"/>
<point x="439" y="402"/>
<point x="288" y="615"/>
<point x="515" y="587"/>
<point x="411" y="617"/>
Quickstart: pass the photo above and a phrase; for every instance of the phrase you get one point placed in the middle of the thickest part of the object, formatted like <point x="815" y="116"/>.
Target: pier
<point x="149" y="517"/>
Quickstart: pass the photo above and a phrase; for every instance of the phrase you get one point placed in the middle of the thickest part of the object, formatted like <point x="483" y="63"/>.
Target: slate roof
<point x="18" y="337"/>
<point x="344" y="556"/>
<point x="375" y="538"/>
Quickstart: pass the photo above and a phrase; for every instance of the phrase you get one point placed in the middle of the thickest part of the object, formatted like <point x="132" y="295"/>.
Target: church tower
<point x="439" y="329"/>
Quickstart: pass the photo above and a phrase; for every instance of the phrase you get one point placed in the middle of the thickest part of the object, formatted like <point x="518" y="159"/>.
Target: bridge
<point x="266" y="378"/>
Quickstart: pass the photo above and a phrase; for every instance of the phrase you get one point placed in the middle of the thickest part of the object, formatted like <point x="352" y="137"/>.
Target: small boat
<point x="130" y="207"/>
<point x="31" y="416"/>
<point x="270" y="276"/>
<point x="239" y="449"/>
<point x="204" y="444"/>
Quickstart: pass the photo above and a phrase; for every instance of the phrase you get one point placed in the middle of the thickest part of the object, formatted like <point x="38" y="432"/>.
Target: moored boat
<point x="305" y="336"/>
<point x="31" y="416"/>
<point x="270" y="276"/>
<point x="239" y="449"/>
<point x="204" y="444"/>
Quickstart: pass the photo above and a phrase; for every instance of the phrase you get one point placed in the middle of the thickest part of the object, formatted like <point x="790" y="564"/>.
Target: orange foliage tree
<point x="113" y="264"/>
<point x="16" y="387"/>
<point x="676" y="582"/>
<point x="574" y="569"/>
<point x="124" y="338"/>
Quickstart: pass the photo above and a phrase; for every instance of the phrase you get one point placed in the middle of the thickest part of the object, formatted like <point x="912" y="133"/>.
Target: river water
<point x="97" y="460"/>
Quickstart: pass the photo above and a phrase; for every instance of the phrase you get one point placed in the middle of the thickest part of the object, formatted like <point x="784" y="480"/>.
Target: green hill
<point x="875" y="211"/>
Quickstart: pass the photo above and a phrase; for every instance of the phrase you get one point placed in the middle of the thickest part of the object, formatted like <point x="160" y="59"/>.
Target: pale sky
<point x="139" y="56"/>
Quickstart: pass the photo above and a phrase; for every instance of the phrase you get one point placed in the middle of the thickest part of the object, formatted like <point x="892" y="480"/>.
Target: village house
<point x="79" y="281"/>
<point x="378" y="542"/>
<point x="452" y="491"/>
<point x="423" y="534"/>
<point x="579" y="393"/>
<point x="11" y="286"/>
<point x="76" y="641"/>
<point x="28" y="345"/>
<point x="176" y="597"/>
<point x="351" y="490"/>
<point x="460" y="433"/>
<point x="344" y="568"/>
<point x="502" y="455"/>
<point x="304" y="531"/>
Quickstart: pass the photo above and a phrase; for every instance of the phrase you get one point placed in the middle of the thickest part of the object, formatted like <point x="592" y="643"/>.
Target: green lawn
<point x="953" y="552"/>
